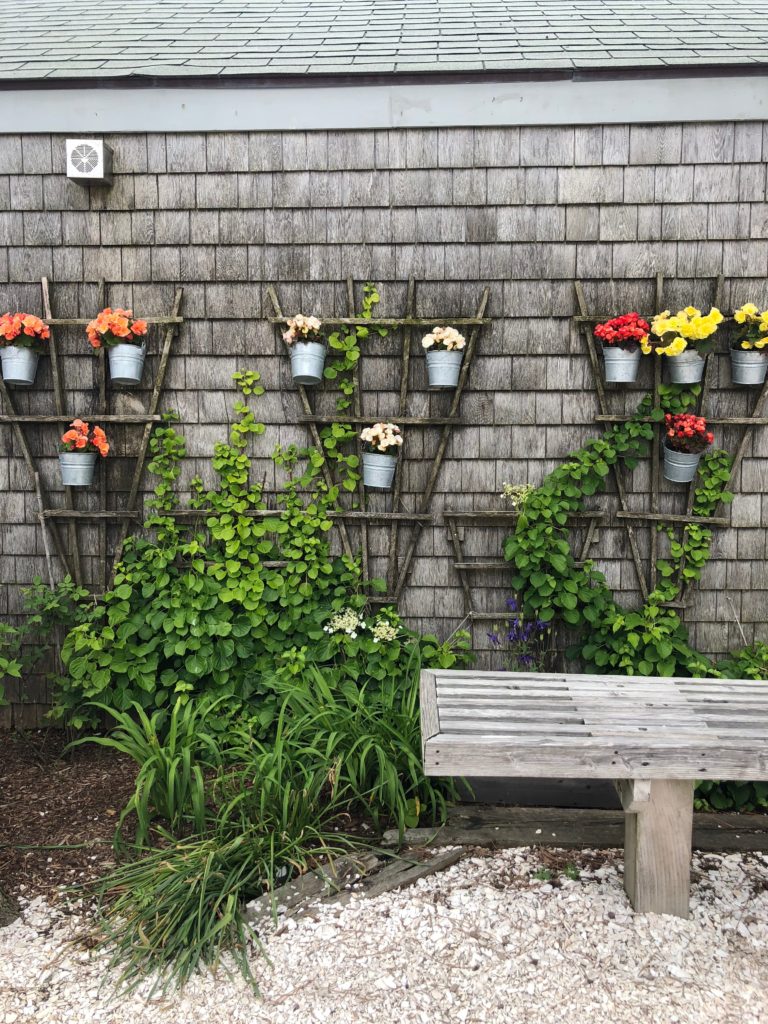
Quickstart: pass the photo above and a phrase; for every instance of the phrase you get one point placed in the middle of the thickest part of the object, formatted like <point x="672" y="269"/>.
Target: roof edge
<point x="389" y="78"/>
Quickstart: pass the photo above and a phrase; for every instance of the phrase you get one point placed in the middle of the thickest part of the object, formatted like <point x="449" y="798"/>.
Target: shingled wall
<point x="523" y="210"/>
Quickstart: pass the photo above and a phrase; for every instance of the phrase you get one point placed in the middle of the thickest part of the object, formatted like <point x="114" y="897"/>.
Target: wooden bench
<point x="654" y="737"/>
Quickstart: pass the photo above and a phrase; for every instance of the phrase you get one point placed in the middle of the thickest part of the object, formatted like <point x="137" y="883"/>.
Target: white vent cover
<point x="89" y="161"/>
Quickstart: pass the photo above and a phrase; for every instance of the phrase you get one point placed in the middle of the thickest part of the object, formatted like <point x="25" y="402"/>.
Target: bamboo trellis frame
<point x="585" y="323"/>
<point x="69" y="554"/>
<point x="397" y="568"/>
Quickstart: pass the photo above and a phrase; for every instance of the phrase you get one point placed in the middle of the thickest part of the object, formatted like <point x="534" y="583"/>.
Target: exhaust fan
<point x="89" y="161"/>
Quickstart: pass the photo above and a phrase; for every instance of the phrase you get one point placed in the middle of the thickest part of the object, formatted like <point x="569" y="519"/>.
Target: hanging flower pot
<point x="624" y="339"/>
<point x="379" y="463"/>
<point x="444" y="351"/>
<point x="126" y="364"/>
<point x="686" y="368"/>
<point x="303" y="337"/>
<point x="687" y="438"/>
<point x="748" y="368"/>
<point x="77" y="468"/>
<point x="80" y="446"/>
<point x="684" y="341"/>
<point x="749" y="355"/>
<point x="123" y="337"/>
<point x="21" y="340"/>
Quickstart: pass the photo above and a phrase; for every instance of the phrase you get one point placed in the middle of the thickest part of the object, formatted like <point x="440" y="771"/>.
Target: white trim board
<point x="63" y="109"/>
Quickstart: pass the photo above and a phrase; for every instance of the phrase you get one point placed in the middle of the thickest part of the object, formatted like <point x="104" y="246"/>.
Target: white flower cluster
<point x="300" y="326"/>
<point x="516" y="494"/>
<point x="346" y="621"/>
<point x="383" y="631"/>
<point x="382" y="436"/>
<point x="446" y="337"/>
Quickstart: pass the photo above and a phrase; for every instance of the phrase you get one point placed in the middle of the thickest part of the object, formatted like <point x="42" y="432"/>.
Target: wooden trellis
<point x="458" y="519"/>
<point x="627" y="516"/>
<point x="69" y="552"/>
<point x="398" y="567"/>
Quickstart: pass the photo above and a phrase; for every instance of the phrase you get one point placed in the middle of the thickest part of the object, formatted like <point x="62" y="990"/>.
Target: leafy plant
<point x="181" y="905"/>
<point x="345" y="342"/>
<point x="371" y="734"/>
<point x="173" y="753"/>
<point x="748" y="663"/>
<point x="10" y="665"/>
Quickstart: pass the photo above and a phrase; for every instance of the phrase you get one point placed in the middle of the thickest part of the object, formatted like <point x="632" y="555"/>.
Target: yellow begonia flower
<point x="674" y="348"/>
<point x="692" y="311"/>
<point x="761" y="343"/>
<point x="645" y="345"/>
<point x="746" y="344"/>
<point x="749" y="309"/>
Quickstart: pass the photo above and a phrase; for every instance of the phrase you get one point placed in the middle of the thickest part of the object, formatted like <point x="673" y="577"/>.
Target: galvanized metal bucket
<point x="77" y="468"/>
<point x="307" y="362"/>
<point x="19" y="365"/>
<point x="126" y="364"/>
<point x="748" y="367"/>
<point x="680" y="467"/>
<point x="620" y="366"/>
<point x="687" y="368"/>
<point x="378" y="470"/>
<point x="443" y="367"/>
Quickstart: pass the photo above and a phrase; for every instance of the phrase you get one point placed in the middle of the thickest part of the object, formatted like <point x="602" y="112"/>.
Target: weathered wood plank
<point x="594" y="758"/>
<point x="635" y="794"/>
<point x="501" y="827"/>
<point x="657" y="850"/>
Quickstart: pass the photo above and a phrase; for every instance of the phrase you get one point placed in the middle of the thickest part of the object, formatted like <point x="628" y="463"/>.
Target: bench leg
<point x="657" y="850"/>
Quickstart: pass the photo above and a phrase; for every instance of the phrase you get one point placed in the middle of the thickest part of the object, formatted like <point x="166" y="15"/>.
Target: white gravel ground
<point x="481" y="943"/>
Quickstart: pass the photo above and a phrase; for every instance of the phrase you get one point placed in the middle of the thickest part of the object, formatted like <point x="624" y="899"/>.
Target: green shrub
<point x="748" y="663"/>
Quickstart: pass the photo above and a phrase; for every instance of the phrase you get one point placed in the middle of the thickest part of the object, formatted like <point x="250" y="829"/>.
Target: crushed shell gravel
<point x="483" y="942"/>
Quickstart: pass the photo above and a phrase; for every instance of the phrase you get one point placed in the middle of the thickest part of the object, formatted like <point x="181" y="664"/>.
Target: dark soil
<point x="57" y="811"/>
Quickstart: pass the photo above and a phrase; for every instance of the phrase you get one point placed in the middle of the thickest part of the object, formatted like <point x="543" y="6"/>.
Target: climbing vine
<point x="608" y="638"/>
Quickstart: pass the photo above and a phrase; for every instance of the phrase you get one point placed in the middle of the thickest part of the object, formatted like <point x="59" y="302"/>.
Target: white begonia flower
<point x="445" y="337"/>
<point x="300" y="325"/>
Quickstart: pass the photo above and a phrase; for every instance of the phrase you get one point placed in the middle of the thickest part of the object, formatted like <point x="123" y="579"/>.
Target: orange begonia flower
<point x="139" y="326"/>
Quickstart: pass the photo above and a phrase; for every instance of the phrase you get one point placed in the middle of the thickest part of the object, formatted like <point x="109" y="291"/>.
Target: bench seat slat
<point x="581" y="726"/>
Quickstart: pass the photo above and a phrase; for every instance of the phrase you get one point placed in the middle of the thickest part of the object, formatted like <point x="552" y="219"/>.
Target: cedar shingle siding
<point x="524" y="210"/>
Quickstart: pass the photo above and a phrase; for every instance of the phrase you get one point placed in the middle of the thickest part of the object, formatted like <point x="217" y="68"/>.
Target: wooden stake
<point x="302" y="391"/>
<point x="58" y="398"/>
<point x="403" y="420"/>
<point x="443" y="444"/>
<point x="133" y="495"/>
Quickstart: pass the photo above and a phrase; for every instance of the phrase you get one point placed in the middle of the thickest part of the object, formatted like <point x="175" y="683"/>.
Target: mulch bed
<point x="52" y="799"/>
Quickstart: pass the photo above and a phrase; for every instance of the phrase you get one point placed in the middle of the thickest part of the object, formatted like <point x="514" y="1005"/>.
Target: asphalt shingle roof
<point x="98" y="38"/>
